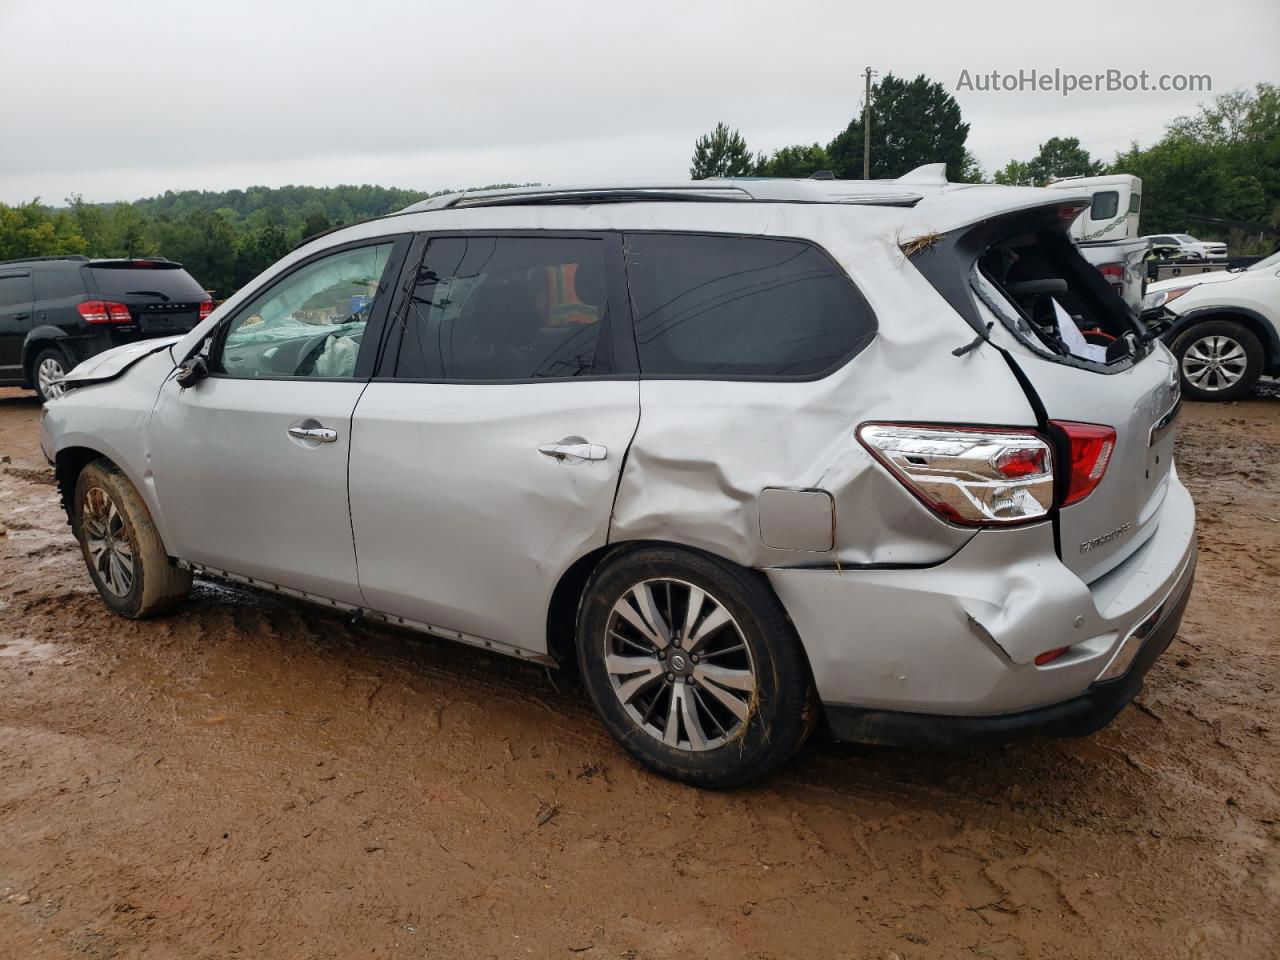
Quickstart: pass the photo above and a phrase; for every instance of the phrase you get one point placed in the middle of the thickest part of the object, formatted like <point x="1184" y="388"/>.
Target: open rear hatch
<point x="1088" y="367"/>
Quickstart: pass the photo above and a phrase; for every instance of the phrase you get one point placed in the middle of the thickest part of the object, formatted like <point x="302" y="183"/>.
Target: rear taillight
<point x="976" y="476"/>
<point x="1090" y="446"/>
<point x="206" y="308"/>
<point x="1113" y="273"/>
<point x="104" y="311"/>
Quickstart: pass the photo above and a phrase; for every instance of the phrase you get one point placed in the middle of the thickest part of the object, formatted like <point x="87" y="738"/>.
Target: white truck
<point x="1107" y="232"/>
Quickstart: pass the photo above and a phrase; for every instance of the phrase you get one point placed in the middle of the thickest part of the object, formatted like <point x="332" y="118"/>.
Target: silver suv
<point x="745" y="454"/>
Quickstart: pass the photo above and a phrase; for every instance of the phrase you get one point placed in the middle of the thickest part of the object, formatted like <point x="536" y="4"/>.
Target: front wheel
<point x="1218" y="360"/>
<point x="694" y="666"/>
<point x="126" y="558"/>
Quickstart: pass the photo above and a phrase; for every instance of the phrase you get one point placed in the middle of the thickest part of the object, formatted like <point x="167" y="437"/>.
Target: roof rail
<point x="68" y="256"/>
<point x="738" y="190"/>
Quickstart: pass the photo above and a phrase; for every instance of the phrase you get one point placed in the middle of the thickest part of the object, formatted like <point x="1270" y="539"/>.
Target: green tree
<point x="1057" y="157"/>
<point x="798" y="160"/>
<point x="1222" y="161"/>
<point x="720" y="153"/>
<point x="913" y="122"/>
<point x="33" y="230"/>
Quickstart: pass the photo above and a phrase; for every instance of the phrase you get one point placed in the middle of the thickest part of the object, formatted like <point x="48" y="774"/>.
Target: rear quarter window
<point x="708" y="305"/>
<point x="58" y="284"/>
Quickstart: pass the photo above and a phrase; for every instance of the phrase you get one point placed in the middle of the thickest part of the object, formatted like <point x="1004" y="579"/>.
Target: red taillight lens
<point x="104" y="311"/>
<point x="206" y="308"/>
<point x="1113" y="273"/>
<point x="1091" y="446"/>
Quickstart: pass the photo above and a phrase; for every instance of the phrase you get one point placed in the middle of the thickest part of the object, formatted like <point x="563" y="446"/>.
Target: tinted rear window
<point x="15" y="289"/>
<point x="707" y="305"/>
<point x="161" y="283"/>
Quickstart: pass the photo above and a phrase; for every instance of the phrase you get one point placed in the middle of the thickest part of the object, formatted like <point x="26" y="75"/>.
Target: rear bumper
<point x="956" y="643"/>
<point x="1077" y="717"/>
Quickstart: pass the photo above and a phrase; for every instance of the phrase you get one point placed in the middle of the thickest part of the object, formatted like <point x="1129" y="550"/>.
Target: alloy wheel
<point x="1214" y="363"/>
<point x="49" y="376"/>
<point x="107" y="541"/>
<point x="679" y="664"/>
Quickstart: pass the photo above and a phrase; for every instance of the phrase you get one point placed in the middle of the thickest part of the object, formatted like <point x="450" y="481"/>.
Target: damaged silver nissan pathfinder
<point x="745" y="453"/>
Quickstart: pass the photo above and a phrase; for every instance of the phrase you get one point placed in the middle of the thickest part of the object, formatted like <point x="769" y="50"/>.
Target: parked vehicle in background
<point x="1183" y="246"/>
<point x="715" y="443"/>
<point x="1223" y="327"/>
<point x="1107" y="232"/>
<point x="57" y="311"/>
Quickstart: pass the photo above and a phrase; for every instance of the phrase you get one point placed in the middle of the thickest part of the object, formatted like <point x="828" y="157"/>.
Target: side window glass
<point x="1105" y="205"/>
<point x="310" y="323"/>
<point x="15" y="289"/>
<point x="1135" y="202"/>
<point x="507" y="308"/>
<point x="750" y="307"/>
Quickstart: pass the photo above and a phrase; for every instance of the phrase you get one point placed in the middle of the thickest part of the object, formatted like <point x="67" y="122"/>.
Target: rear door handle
<point x="573" y="450"/>
<point x="318" y="434"/>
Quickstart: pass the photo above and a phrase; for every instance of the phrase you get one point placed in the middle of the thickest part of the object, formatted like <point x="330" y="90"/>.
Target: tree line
<point x="224" y="238"/>
<point x="1222" y="161"/>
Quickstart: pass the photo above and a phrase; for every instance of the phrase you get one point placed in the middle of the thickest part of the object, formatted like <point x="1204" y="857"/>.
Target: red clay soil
<point x="255" y="778"/>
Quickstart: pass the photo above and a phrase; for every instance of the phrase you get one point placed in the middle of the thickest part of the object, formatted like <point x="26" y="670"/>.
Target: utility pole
<point x="866" y="128"/>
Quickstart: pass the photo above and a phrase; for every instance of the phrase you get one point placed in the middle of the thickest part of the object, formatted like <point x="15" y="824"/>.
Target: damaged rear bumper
<point x="947" y="654"/>
<point x="1077" y="717"/>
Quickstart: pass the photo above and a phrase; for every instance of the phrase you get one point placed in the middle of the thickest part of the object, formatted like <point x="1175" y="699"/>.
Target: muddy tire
<point x="1218" y="360"/>
<point x="126" y="558"/>
<point x="694" y="666"/>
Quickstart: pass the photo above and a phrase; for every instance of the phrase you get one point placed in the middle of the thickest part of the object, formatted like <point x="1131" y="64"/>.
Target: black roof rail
<point x="69" y="256"/>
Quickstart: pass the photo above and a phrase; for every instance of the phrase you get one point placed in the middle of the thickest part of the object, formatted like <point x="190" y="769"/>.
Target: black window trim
<point x="872" y="317"/>
<point x="617" y="319"/>
<point x="370" y="340"/>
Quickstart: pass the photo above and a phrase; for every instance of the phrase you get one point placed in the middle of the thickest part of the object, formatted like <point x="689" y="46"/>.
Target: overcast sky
<point x="118" y="100"/>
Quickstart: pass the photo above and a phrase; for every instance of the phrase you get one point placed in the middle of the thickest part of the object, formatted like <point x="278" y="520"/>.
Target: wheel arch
<point x="68" y="464"/>
<point x="566" y="597"/>
<point x="37" y="340"/>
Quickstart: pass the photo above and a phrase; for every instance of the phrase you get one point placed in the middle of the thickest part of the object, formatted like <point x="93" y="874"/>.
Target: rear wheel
<point x="49" y="368"/>
<point x="126" y="558"/>
<point x="1218" y="360"/>
<point x="694" y="666"/>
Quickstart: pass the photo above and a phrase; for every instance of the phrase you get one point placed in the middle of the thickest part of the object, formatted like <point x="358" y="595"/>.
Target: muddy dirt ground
<point x="254" y="778"/>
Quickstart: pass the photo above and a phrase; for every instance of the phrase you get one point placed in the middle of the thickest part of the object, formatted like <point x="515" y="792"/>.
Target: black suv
<point x="58" y="311"/>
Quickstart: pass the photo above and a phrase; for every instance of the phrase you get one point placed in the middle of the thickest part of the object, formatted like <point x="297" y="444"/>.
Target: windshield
<point x="1268" y="263"/>
<point x="1185" y="238"/>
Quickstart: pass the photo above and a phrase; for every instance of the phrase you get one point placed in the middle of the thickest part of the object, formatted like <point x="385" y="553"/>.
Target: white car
<point x="1223" y="327"/>
<point x="744" y="453"/>
<point x="1188" y="247"/>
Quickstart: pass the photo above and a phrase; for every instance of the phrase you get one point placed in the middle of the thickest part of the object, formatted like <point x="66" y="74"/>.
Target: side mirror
<point x="192" y="372"/>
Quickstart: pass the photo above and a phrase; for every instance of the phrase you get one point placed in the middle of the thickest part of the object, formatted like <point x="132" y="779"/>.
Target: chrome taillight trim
<point x="951" y="469"/>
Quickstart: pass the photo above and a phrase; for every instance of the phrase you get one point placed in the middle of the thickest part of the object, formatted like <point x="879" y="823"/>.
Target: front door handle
<point x="573" y="450"/>
<point x="318" y="434"/>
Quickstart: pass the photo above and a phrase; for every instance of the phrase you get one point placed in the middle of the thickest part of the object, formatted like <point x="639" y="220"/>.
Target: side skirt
<point x="442" y="633"/>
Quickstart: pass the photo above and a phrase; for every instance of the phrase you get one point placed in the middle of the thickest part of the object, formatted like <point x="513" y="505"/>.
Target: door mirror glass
<point x="308" y="324"/>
